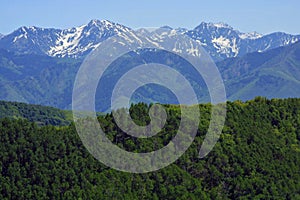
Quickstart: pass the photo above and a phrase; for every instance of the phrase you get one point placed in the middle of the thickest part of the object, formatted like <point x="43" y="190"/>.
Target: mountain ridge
<point x="220" y="40"/>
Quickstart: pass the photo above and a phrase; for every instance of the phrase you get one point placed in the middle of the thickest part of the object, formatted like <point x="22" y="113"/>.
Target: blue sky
<point x="263" y="16"/>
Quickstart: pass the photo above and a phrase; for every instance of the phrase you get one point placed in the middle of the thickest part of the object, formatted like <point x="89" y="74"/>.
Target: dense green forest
<point x="257" y="157"/>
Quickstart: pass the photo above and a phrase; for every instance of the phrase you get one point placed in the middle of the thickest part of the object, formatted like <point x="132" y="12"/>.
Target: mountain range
<point x="218" y="39"/>
<point x="39" y="65"/>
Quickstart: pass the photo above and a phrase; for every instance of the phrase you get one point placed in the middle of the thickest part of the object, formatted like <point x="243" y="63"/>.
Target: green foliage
<point x="42" y="115"/>
<point x="256" y="157"/>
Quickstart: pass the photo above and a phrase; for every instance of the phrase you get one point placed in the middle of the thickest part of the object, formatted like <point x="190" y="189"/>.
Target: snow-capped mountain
<point x="218" y="39"/>
<point x="30" y="40"/>
<point x="222" y="41"/>
<point x="74" y="42"/>
<point x="79" y="41"/>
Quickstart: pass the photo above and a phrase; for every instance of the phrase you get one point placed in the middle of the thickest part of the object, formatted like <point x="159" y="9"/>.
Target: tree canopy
<point x="257" y="157"/>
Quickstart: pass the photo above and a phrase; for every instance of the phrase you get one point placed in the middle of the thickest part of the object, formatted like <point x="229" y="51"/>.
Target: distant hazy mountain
<point x="274" y="74"/>
<point x="220" y="40"/>
<point x="37" y="79"/>
<point x="49" y="81"/>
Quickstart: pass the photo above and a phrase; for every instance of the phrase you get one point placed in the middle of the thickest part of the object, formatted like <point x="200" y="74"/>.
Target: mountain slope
<point x="37" y="79"/>
<point x="274" y="74"/>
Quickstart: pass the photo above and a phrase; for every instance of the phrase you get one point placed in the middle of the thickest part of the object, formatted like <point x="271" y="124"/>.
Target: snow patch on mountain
<point x="252" y="35"/>
<point x="220" y="25"/>
<point x="81" y="40"/>
<point x="23" y="34"/>
<point x="67" y="42"/>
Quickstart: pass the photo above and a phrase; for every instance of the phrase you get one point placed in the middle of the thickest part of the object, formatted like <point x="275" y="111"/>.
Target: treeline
<point x="256" y="157"/>
<point x="42" y="115"/>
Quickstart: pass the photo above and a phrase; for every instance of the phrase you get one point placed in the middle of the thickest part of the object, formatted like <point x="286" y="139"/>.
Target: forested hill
<point x="42" y="115"/>
<point x="256" y="157"/>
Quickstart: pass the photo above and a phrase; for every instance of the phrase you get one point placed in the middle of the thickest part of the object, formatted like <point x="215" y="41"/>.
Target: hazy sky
<point x="263" y="16"/>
